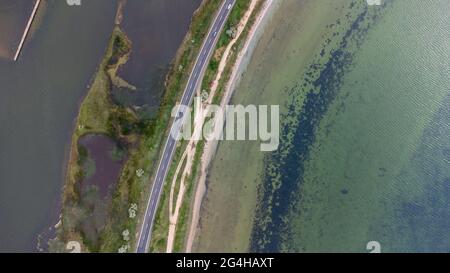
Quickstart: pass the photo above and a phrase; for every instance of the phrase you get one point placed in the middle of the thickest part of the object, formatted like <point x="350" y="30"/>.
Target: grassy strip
<point x="225" y="38"/>
<point x="161" y="224"/>
<point x="159" y="235"/>
<point x="183" y="218"/>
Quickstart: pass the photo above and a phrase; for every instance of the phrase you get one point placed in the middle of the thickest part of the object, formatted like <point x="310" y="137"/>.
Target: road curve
<point x="194" y="80"/>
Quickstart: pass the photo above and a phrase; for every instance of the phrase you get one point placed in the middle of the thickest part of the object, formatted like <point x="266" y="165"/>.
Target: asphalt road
<point x="169" y="149"/>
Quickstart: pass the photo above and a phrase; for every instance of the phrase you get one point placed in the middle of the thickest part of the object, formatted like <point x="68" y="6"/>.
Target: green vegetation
<point x="161" y="225"/>
<point x="183" y="218"/>
<point x="236" y="14"/>
<point x="117" y="154"/>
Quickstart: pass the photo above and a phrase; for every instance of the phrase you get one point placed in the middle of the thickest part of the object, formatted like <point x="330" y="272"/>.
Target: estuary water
<point x="39" y="99"/>
<point x="156" y="29"/>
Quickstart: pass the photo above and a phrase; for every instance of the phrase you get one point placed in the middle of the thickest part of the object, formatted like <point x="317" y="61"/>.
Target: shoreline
<point x="245" y="54"/>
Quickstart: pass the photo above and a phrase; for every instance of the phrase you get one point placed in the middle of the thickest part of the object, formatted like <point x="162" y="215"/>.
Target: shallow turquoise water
<point x="366" y="157"/>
